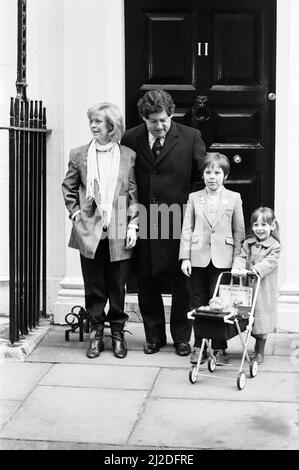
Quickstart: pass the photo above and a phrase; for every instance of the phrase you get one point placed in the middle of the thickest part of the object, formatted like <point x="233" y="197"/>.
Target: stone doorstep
<point x="64" y="305"/>
<point x="23" y="348"/>
<point x="132" y="307"/>
<point x="287" y="316"/>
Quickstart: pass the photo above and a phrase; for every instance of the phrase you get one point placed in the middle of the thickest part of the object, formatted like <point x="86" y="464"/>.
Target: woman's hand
<point x="131" y="238"/>
<point x="186" y="267"/>
<point x="237" y="272"/>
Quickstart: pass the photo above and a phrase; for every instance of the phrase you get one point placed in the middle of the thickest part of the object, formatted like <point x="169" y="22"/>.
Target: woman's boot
<point x="259" y="349"/>
<point x="96" y="344"/>
<point x="119" y="344"/>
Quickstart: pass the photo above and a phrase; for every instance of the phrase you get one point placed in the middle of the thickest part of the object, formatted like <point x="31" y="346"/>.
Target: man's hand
<point x="186" y="267"/>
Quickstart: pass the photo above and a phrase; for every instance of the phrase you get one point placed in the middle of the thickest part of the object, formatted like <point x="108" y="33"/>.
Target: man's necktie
<point x="156" y="149"/>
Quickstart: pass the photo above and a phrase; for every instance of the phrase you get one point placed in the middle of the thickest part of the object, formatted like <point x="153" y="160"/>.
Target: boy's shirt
<point x="213" y="201"/>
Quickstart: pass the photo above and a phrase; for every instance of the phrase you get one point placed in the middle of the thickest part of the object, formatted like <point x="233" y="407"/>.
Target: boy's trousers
<point x="201" y="287"/>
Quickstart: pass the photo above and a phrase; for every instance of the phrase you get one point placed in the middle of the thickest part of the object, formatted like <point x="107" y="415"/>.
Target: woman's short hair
<point x="212" y="159"/>
<point x="155" y="101"/>
<point x="113" y="117"/>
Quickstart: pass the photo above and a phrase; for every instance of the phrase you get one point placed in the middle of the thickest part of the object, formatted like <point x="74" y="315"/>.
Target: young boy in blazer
<point x="212" y="233"/>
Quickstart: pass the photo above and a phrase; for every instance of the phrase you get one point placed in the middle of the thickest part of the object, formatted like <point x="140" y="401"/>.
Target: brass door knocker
<point x="200" y="111"/>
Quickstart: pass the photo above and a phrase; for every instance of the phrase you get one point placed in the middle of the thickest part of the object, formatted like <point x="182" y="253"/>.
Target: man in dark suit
<point x="168" y="164"/>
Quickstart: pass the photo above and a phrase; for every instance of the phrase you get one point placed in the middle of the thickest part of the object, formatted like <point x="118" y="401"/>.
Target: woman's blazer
<point x="87" y="231"/>
<point x="219" y="240"/>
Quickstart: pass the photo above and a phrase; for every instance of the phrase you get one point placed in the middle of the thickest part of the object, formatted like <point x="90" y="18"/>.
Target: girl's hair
<point x="268" y="217"/>
<point x="113" y="117"/>
<point x="216" y="159"/>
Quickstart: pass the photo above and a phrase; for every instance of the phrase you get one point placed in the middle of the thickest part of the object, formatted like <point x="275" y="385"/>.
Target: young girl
<point x="260" y="254"/>
<point x="212" y="233"/>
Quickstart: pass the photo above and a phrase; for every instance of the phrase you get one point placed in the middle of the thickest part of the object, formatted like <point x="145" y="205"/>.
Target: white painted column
<point x="93" y="72"/>
<point x="45" y="61"/>
<point x="287" y="161"/>
<point x="8" y="75"/>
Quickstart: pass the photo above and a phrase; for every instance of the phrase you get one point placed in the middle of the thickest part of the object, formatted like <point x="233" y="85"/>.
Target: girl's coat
<point x="263" y="257"/>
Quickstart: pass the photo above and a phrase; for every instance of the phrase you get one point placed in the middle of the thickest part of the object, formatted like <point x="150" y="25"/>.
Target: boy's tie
<point x="156" y="149"/>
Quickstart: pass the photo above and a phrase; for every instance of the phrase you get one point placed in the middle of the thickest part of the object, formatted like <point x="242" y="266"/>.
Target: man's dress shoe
<point x="152" y="348"/>
<point x="182" y="349"/>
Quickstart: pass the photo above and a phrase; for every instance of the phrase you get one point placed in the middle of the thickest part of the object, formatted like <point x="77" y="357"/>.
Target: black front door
<point x="217" y="59"/>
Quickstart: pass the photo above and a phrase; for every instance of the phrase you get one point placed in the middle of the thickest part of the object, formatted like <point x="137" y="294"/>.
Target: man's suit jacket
<point x="87" y="231"/>
<point x="219" y="241"/>
<point x="167" y="180"/>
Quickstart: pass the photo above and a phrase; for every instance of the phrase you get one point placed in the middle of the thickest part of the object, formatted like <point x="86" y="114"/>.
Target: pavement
<point x="52" y="397"/>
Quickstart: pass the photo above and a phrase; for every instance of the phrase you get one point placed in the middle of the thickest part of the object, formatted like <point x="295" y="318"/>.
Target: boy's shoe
<point x="222" y="357"/>
<point x="195" y="356"/>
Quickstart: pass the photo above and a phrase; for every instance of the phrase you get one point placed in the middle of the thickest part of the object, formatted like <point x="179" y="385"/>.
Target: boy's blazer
<point x="219" y="241"/>
<point x="87" y="231"/>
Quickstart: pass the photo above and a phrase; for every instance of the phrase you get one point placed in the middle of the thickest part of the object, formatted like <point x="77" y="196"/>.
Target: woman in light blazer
<point x="100" y="194"/>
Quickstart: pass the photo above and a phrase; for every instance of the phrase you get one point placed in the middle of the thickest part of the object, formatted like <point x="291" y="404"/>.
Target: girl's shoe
<point x="259" y="358"/>
<point x="259" y="349"/>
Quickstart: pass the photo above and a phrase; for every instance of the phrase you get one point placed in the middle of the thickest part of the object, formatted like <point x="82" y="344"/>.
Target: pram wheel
<point x="211" y="364"/>
<point x="193" y="374"/>
<point x="241" y="380"/>
<point x="253" y="367"/>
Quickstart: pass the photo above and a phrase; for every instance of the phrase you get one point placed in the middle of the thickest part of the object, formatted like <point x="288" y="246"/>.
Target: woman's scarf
<point x="102" y="167"/>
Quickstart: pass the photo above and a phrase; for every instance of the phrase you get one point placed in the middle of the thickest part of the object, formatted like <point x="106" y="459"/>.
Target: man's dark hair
<point x="155" y="101"/>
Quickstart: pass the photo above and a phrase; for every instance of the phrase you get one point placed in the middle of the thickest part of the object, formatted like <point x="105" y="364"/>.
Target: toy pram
<point x="235" y="316"/>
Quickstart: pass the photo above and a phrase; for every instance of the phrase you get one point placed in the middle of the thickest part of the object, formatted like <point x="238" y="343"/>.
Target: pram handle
<point x="250" y="274"/>
<point x="190" y="314"/>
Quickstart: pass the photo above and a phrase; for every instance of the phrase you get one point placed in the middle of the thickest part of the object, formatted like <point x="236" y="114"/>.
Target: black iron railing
<point x="27" y="199"/>
<point x="27" y="215"/>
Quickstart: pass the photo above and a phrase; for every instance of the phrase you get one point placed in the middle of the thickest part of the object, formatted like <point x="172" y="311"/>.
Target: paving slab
<point x="279" y="364"/>
<point x="19" y="379"/>
<point x="204" y="424"/>
<point x="101" y="376"/>
<point x="134" y="358"/>
<point x="165" y="358"/>
<point x="21" y="349"/>
<point x="281" y="352"/>
<point x="55" y="338"/>
<point x="135" y="341"/>
<point x="26" y="444"/>
<point x="276" y="343"/>
<point x="222" y="385"/>
<point x="147" y="401"/>
<point x="76" y="415"/>
<point x="7" y="409"/>
<point x="284" y="345"/>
